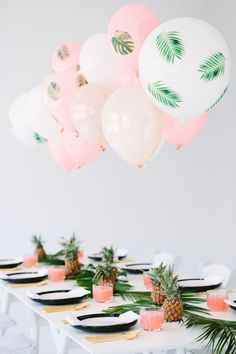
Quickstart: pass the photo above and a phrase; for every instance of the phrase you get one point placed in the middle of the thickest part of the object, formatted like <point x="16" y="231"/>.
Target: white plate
<point x="10" y="261"/>
<point x="231" y="303"/>
<point x="135" y="267"/>
<point x="58" y="294"/>
<point x="99" y="321"/>
<point x="21" y="276"/>
<point x="196" y="283"/>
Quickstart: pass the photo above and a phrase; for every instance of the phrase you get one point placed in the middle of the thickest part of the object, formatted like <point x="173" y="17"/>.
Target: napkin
<point x="77" y="292"/>
<point x="128" y="316"/>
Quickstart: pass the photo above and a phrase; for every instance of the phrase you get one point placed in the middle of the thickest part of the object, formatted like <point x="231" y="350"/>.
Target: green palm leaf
<point x="170" y="46"/>
<point x="164" y="94"/>
<point x="218" y="99"/>
<point x="219" y="335"/>
<point x="212" y="67"/>
<point x="63" y="52"/>
<point x="123" y="43"/>
<point x="39" y="138"/>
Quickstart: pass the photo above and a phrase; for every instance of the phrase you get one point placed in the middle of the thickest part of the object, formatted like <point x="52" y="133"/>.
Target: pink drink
<point x="56" y="274"/>
<point x="30" y="261"/>
<point x="147" y="281"/>
<point x="80" y="254"/>
<point x="151" y="319"/>
<point x="102" y="293"/>
<point x="215" y="300"/>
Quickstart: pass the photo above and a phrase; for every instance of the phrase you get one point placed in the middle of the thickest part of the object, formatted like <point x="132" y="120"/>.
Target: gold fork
<point x="113" y="337"/>
<point x="26" y="285"/>
<point x="51" y="309"/>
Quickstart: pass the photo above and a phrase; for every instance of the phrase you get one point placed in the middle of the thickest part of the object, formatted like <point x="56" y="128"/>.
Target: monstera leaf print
<point x="164" y="94"/>
<point x="63" y="52"/>
<point x="170" y="46"/>
<point x="123" y="43"/>
<point x="212" y="67"/>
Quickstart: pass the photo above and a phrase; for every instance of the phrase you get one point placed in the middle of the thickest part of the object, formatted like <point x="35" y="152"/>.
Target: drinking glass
<point x="151" y="318"/>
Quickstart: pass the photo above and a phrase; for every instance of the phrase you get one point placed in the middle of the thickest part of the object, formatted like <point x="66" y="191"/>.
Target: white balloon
<point x="184" y="67"/>
<point x="17" y="113"/>
<point x="21" y="128"/>
<point x="39" y="117"/>
<point x="98" y="61"/>
<point x="132" y="125"/>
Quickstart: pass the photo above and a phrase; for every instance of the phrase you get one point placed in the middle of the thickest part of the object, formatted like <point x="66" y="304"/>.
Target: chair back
<point x="219" y="270"/>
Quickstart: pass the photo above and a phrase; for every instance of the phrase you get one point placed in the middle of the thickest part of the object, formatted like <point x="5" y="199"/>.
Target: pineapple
<point x="173" y="306"/>
<point x="157" y="293"/>
<point x="105" y="273"/>
<point x="108" y="254"/>
<point x="70" y="252"/>
<point x="39" y="250"/>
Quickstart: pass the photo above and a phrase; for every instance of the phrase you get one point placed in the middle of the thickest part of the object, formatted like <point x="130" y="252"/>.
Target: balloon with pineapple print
<point x="184" y="67"/>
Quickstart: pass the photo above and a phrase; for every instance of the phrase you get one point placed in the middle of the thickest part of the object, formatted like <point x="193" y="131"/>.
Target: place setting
<point x="25" y="277"/>
<point x="120" y="254"/>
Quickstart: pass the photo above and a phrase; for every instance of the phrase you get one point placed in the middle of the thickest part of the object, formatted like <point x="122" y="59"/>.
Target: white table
<point x="173" y="335"/>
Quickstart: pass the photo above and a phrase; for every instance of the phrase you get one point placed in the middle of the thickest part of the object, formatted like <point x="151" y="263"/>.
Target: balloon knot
<point x="102" y="148"/>
<point x="178" y="147"/>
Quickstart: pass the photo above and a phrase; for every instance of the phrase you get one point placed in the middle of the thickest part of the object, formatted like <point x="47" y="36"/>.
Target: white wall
<point x="184" y="202"/>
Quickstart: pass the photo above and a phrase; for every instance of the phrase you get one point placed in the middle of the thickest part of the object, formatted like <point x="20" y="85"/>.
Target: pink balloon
<point x="178" y="133"/>
<point x="59" y="153"/>
<point x="59" y="89"/>
<point x="81" y="152"/>
<point x="128" y="29"/>
<point x="66" y="56"/>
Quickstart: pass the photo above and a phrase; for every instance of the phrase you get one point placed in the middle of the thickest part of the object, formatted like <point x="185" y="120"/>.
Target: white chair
<point x="177" y="262"/>
<point x="163" y="257"/>
<point x="5" y="321"/>
<point x="16" y="344"/>
<point x="219" y="270"/>
<point x="232" y="280"/>
<point x="167" y="259"/>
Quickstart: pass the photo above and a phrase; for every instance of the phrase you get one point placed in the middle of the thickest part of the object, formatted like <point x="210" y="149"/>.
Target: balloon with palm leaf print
<point x="128" y="28"/>
<point x="184" y="67"/>
<point x="21" y="124"/>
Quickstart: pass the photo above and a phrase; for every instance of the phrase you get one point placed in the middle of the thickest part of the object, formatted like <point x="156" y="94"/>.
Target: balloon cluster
<point x="140" y="83"/>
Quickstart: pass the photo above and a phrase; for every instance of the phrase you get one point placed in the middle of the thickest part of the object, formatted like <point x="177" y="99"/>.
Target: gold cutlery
<point x="26" y="285"/>
<point x="52" y="309"/>
<point x="6" y="270"/>
<point x="113" y="337"/>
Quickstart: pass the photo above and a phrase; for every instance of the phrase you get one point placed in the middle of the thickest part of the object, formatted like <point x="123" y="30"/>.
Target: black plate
<point x="66" y="301"/>
<point x="197" y="289"/>
<point x="26" y="280"/>
<point x="9" y="265"/>
<point x="136" y="271"/>
<point x="104" y="329"/>
<point x="97" y="257"/>
<point x="233" y="307"/>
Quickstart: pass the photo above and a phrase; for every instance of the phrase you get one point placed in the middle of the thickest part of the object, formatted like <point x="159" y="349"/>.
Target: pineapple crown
<point x="37" y="240"/>
<point x="169" y="282"/>
<point x="70" y="247"/>
<point x="102" y="272"/>
<point x="108" y="254"/>
<point x="156" y="274"/>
